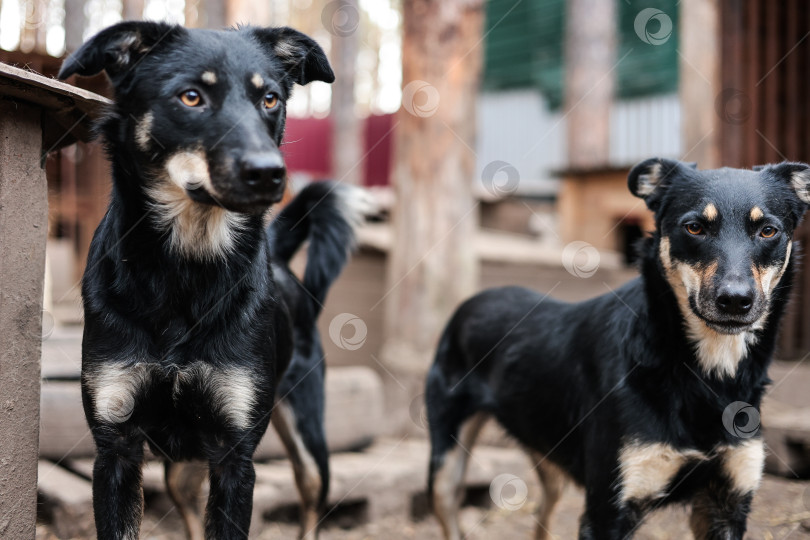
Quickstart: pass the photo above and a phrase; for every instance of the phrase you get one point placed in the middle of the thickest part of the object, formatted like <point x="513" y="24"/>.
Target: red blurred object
<point x="307" y="148"/>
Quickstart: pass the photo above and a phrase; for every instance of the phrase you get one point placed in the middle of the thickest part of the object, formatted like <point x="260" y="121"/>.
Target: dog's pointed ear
<point x="796" y="174"/>
<point x="303" y="59"/>
<point x="650" y="178"/>
<point x="118" y="48"/>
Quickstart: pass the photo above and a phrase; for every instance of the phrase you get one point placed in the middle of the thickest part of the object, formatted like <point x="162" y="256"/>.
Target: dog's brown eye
<point x="191" y="98"/>
<point x="694" y="228"/>
<point x="270" y="101"/>
<point x="768" y="232"/>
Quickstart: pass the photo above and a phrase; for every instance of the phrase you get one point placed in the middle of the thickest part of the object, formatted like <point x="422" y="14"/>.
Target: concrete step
<point x="387" y="478"/>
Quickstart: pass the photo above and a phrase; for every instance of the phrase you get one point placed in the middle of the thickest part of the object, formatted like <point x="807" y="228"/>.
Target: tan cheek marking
<point x="209" y="77"/>
<point x="756" y="213"/>
<point x="648" y="468"/>
<point x="257" y="80"/>
<point x="663" y="253"/>
<point x="744" y="464"/>
<point x="710" y="212"/>
<point x="768" y="277"/>
<point x="143" y="131"/>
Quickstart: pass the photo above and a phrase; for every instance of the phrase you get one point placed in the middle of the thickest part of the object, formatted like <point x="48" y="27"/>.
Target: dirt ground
<point x="781" y="511"/>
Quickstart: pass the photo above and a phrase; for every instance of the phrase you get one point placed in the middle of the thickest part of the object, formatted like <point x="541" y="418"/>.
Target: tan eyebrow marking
<point x="257" y="80"/>
<point x="710" y="212"/>
<point x="756" y="213"/>
<point x="209" y="77"/>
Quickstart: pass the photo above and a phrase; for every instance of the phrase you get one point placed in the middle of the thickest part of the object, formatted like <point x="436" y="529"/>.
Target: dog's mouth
<point x="252" y="204"/>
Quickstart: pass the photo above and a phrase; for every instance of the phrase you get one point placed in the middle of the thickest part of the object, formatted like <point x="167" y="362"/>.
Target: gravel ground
<point x="781" y="510"/>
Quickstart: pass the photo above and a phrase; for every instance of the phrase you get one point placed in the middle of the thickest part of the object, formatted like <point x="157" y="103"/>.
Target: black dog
<point x="194" y="324"/>
<point x="633" y="394"/>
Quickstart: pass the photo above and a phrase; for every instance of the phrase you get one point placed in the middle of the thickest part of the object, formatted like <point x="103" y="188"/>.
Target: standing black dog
<point x="194" y="324"/>
<point x="634" y="394"/>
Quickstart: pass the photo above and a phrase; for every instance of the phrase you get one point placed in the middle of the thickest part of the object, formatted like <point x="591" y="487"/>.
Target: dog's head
<point x="203" y="109"/>
<point x="725" y="235"/>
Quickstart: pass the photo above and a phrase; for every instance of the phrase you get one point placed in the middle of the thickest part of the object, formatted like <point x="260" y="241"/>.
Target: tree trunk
<point x="347" y="143"/>
<point x="590" y="55"/>
<point x="132" y="10"/>
<point x="432" y="264"/>
<point x="74" y="24"/>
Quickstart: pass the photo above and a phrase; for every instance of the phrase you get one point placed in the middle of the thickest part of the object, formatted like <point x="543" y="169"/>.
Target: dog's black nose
<point x="735" y="299"/>
<point x="263" y="170"/>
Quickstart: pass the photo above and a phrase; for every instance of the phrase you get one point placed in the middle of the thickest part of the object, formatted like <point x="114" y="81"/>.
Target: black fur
<point x="173" y="330"/>
<point x="577" y="382"/>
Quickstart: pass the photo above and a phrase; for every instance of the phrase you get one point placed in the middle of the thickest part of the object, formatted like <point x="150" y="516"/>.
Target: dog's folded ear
<point x="796" y="174"/>
<point x="650" y="178"/>
<point x="302" y="57"/>
<point x="118" y="48"/>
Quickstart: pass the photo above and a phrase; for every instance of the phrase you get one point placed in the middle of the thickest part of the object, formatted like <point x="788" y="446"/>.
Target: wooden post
<point x="23" y="228"/>
<point x="432" y="265"/>
<point x="589" y="82"/>
<point x="700" y="81"/>
<point x="347" y="142"/>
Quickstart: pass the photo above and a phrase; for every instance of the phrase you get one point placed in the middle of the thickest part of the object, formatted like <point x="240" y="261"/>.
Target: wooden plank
<point x="753" y="44"/>
<point x="67" y="111"/>
<point x="793" y="104"/>
<point x="46" y="91"/>
<point x="23" y="228"/>
<point x="772" y="74"/>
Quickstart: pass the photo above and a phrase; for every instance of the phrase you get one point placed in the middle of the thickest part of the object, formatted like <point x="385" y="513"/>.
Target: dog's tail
<point x="326" y="214"/>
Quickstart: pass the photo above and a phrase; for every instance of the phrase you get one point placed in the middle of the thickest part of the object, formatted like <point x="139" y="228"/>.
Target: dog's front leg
<point x="230" y="499"/>
<point x="117" y="493"/>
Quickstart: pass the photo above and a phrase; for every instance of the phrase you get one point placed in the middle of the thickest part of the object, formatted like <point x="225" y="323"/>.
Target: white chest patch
<point x="115" y="388"/>
<point x="231" y="390"/>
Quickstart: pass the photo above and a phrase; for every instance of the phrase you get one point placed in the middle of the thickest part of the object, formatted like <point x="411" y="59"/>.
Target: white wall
<point x="517" y="127"/>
